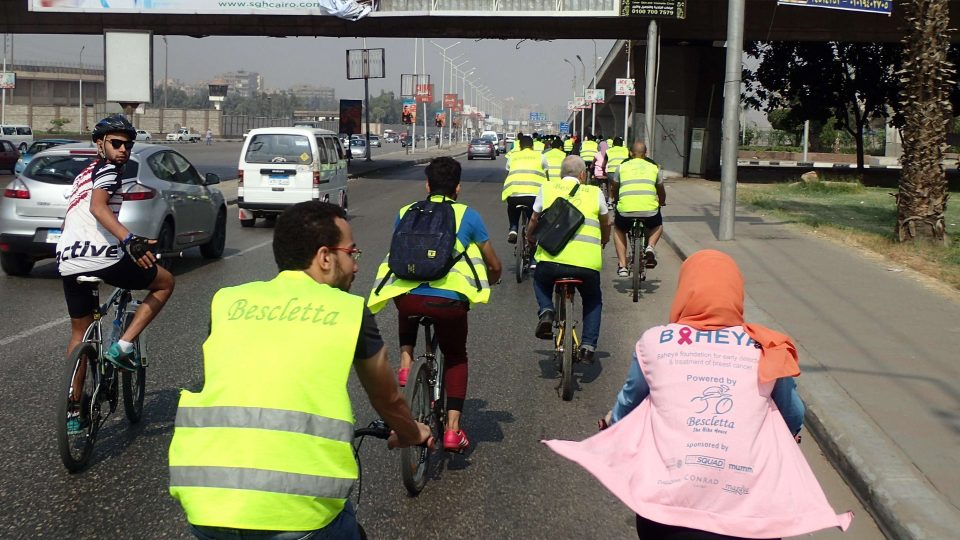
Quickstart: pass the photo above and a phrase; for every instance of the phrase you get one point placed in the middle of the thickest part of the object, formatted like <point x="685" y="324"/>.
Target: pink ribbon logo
<point x="685" y="336"/>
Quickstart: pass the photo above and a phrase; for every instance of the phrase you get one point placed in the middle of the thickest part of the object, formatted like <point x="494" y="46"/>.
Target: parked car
<point x="36" y="148"/>
<point x="183" y="135"/>
<point x="164" y="197"/>
<point x="282" y="166"/>
<point x="8" y="156"/>
<point x="19" y="134"/>
<point x="375" y="141"/>
<point x="358" y="148"/>
<point x="143" y="135"/>
<point x="481" y="148"/>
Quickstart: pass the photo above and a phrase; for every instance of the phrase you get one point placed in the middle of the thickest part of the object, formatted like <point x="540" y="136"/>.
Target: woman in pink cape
<point x="698" y="446"/>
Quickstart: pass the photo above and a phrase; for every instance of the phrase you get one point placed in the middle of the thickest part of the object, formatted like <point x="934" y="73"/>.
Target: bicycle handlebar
<point x="377" y="428"/>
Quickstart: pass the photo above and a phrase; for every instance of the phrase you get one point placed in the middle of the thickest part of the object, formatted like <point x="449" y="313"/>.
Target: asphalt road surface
<point x="508" y="486"/>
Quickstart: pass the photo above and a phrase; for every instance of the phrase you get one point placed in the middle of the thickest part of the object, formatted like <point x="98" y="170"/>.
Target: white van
<point x="20" y="135"/>
<point x="282" y="166"/>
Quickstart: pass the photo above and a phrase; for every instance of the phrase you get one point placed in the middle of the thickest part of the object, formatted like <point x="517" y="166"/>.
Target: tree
<point x="785" y="120"/>
<point x="925" y="100"/>
<point x="58" y="124"/>
<point x="850" y="82"/>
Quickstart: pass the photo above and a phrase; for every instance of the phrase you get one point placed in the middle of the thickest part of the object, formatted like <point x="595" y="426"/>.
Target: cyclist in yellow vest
<point x="538" y="145"/>
<point x="446" y="300"/>
<point x="523" y="181"/>
<point x="588" y="150"/>
<point x="266" y="446"/>
<point x="638" y="188"/>
<point x="616" y="154"/>
<point x="568" y="144"/>
<point x="581" y="258"/>
<point x="552" y="159"/>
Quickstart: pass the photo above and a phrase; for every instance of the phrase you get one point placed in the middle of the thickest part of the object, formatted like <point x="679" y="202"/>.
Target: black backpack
<point x="423" y="247"/>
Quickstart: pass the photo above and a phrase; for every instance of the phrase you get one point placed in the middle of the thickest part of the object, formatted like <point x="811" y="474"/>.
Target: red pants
<point x="450" y="324"/>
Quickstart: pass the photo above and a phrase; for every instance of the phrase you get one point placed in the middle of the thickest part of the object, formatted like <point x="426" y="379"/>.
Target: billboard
<point x="664" y="9"/>
<point x="350" y="113"/>
<point x="8" y="80"/>
<point x="884" y="7"/>
<point x="345" y="9"/>
<point x="595" y="95"/>
<point x="449" y="101"/>
<point x="129" y="66"/>
<point x="409" y="113"/>
<point x="424" y="93"/>
<point x="439" y="118"/>
<point x="625" y="87"/>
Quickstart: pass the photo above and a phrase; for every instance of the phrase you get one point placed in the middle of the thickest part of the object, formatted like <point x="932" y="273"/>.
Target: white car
<point x="143" y="135"/>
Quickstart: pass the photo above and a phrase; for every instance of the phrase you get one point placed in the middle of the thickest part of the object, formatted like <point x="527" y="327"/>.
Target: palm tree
<point x="924" y="98"/>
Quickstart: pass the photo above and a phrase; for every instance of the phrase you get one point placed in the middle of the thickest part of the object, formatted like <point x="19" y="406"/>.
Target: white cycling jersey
<point x="85" y="245"/>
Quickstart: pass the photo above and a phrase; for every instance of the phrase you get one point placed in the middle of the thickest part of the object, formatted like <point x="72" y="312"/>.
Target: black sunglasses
<point x="117" y="143"/>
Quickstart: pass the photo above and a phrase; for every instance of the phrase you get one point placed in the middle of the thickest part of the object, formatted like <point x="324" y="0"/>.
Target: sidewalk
<point x="878" y="351"/>
<point x="359" y="168"/>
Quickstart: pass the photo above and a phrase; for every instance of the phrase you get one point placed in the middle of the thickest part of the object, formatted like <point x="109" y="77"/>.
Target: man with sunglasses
<point x="264" y="449"/>
<point x="95" y="243"/>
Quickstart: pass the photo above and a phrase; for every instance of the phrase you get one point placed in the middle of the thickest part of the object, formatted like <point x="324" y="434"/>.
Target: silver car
<point x="164" y="197"/>
<point x="358" y="148"/>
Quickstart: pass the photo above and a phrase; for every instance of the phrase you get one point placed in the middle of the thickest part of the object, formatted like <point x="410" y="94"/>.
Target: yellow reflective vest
<point x="468" y="277"/>
<point x="538" y="146"/>
<point x="588" y="150"/>
<point x="584" y="249"/>
<point x="526" y="174"/>
<point x="638" y="187"/>
<point x="615" y="156"/>
<point x="267" y="443"/>
<point x="555" y="158"/>
<point x="568" y="145"/>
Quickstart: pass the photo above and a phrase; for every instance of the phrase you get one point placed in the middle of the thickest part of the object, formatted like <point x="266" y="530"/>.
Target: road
<point x="508" y="486"/>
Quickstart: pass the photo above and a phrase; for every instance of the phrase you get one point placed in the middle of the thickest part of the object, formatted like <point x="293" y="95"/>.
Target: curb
<point x="898" y="495"/>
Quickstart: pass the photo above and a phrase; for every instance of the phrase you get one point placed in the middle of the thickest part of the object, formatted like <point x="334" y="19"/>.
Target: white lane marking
<point x="249" y="249"/>
<point x="46" y="326"/>
<point x="36" y="329"/>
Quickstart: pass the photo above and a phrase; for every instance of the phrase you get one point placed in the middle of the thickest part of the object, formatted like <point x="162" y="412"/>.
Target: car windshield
<point x="63" y="168"/>
<point x="279" y="148"/>
<point x="40" y="146"/>
<point x="357" y="142"/>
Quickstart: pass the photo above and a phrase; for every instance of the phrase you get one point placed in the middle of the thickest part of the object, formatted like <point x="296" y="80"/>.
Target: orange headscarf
<point x="710" y="297"/>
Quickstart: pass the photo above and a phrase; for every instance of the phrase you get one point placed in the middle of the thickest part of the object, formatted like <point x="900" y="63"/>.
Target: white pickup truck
<point x="183" y="135"/>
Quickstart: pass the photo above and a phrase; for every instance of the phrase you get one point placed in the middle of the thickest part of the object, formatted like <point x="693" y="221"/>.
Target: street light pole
<point x="593" y="106"/>
<point x="166" y="77"/>
<point x="583" y="91"/>
<point x="80" y="121"/>
<point x="573" y="86"/>
<point x="443" y="77"/>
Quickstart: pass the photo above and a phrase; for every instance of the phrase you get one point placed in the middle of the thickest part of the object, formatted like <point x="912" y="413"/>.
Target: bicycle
<point x="427" y="399"/>
<point x="92" y="381"/>
<point x="637" y="238"/>
<point x="566" y="341"/>
<point x="378" y="429"/>
<point x="522" y="251"/>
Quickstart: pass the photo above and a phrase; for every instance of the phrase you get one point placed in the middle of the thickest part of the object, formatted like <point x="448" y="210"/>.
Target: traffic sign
<point x="564" y="127"/>
<point x="625" y="87"/>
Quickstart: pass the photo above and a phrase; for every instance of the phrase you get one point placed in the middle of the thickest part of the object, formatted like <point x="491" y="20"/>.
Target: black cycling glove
<point x="136" y="246"/>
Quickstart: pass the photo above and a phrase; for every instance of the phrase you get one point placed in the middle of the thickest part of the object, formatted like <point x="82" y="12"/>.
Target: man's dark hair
<point x="557" y="143"/>
<point x="301" y="230"/>
<point x="443" y="176"/>
<point x="526" y="142"/>
<point x="618" y="141"/>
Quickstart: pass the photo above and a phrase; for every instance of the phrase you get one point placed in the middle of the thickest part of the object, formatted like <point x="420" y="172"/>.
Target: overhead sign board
<point x="660" y="9"/>
<point x="625" y="87"/>
<point x="345" y="10"/>
<point x="365" y="64"/>
<point x="8" y="80"/>
<point x="564" y="127"/>
<point x="884" y="7"/>
<point x="128" y="68"/>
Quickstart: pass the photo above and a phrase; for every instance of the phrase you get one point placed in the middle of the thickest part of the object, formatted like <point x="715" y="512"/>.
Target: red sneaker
<point x="402" y="375"/>
<point x="455" y="441"/>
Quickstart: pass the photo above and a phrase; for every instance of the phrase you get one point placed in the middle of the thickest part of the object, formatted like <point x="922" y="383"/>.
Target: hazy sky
<point x="531" y="71"/>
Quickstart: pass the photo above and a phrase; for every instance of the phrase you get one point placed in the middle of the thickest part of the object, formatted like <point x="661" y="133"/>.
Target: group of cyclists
<point x="297" y="468"/>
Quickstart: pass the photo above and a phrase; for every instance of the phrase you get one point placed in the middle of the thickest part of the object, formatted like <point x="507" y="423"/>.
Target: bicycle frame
<point x="432" y="341"/>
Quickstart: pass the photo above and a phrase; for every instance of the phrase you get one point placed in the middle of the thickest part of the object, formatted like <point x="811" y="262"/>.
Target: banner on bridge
<point x="345" y="9"/>
<point x="866" y="6"/>
<point x="661" y="9"/>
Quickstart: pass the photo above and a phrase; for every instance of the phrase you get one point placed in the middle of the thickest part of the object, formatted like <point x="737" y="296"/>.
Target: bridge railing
<point x="500" y="7"/>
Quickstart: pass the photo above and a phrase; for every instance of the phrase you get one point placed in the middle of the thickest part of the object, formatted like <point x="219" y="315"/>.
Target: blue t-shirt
<point x="472" y="231"/>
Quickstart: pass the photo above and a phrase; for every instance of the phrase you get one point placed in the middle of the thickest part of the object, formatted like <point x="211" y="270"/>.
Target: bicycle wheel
<point x="637" y="263"/>
<point x="415" y="459"/>
<point x="76" y="448"/>
<point x="567" y="344"/>
<point x="134" y="382"/>
<point x="520" y="249"/>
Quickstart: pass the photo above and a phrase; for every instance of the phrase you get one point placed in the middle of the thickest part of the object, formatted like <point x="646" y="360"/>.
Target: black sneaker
<point x="545" y="326"/>
<point x="650" y="257"/>
<point x="512" y="237"/>
<point x="587" y="356"/>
